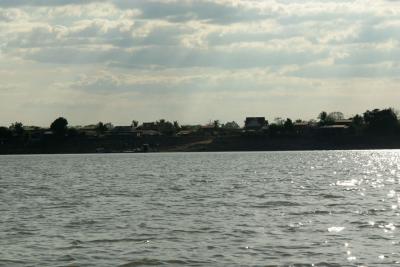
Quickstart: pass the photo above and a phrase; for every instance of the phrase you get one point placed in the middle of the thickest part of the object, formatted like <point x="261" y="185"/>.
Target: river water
<point x="327" y="208"/>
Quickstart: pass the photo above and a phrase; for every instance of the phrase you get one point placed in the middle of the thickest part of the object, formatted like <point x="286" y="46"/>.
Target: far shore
<point x="214" y="144"/>
<point x="375" y="129"/>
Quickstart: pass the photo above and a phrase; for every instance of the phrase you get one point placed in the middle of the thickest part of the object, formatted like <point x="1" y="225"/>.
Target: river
<point x="320" y="208"/>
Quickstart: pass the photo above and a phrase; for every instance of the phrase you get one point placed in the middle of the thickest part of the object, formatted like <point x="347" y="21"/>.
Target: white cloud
<point x="196" y="54"/>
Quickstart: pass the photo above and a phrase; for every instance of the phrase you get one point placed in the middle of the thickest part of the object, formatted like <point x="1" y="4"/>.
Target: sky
<point x="195" y="60"/>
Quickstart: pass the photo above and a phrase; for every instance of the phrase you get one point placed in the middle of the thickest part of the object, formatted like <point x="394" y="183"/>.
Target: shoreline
<point x="228" y="143"/>
<point x="172" y="151"/>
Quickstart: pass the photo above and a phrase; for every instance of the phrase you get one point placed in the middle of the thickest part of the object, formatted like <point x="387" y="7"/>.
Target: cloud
<point x="170" y="57"/>
<point x="8" y="15"/>
<point x="16" y="3"/>
<point x="205" y="52"/>
<point x="179" y="11"/>
<point x="103" y="82"/>
<point x="348" y="72"/>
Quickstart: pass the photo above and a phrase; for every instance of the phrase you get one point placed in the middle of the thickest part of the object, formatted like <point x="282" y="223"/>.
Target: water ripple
<point x="322" y="208"/>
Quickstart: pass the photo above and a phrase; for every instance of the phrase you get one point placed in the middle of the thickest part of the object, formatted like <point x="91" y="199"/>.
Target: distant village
<point x="329" y="130"/>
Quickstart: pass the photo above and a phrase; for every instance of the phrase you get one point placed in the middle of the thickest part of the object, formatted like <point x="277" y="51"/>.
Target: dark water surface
<point x="337" y="208"/>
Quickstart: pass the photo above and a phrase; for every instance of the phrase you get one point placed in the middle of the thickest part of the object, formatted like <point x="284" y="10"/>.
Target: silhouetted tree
<point x="109" y="125"/>
<point x="101" y="128"/>
<point x="5" y="133"/>
<point x="135" y="123"/>
<point x="357" y="124"/>
<point x="322" y="116"/>
<point x="176" y="126"/>
<point x="312" y="122"/>
<point x="231" y="125"/>
<point x="279" y="121"/>
<point x="59" y="126"/>
<point x="216" y="124"/>
<point x="324" y="119"/>
<point x="357" y="120"/>
<point x="336" y="115"/>
<point x="165" y="127"/>
<point x="288" y="126"/>
<point x="381" y="121"/>
<point x="17" y="128"/>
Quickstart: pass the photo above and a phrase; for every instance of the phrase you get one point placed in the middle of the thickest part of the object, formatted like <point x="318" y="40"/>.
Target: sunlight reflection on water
<point x="327" y="208"/>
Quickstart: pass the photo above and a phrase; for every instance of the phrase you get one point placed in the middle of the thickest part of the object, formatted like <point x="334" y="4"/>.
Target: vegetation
<point x="381" y="121"/>
<point x="59" y="126"/>
<point x="373" y="128"/>
<point x="101" y="128"/>
<point x="17" y="128"/>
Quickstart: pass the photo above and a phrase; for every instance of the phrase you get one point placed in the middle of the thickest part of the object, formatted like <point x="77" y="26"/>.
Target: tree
<point x="17" y="128"/>
<point x="101" y="128"/>
<point x="324" y="119"/>
<point x="312" y="122"/>
<point x="322" y="116"/>
<point x="109" y="125"/>
<point x="381" y="121"/>
<point x="357" y="124"/>
<point x="231" y="125"/>
<point x="59" y="126"/>
<point x="279" y="121"/>
<point x="288" y="125"/>
<point x="336" y="115"/>
<point x="135" y="123"/>
<point x="165" y="127"/>
<point x="5" y="133"/>
<point x="357" y="121"/>
<point x="216" y="124"/>
<point x="176" y="126"/>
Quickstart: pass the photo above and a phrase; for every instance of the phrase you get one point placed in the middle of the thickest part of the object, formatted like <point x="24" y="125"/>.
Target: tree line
<point x="376" y="121"/>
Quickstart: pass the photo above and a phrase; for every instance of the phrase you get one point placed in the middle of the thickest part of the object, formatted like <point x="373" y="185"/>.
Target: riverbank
<point x="202" y="144"/>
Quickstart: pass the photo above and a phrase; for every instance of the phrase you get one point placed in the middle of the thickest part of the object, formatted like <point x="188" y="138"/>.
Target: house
<point x="255" y="123"/>
<point x="36" y="133"/>
<point x="333" y="130"/>
<point x="208" y="130"/>
<point x="89" y="130"/>
<point x="345" y="122"/>
<point x="339" y="127"/>
<point x="148" y="126"/>
<point x="124" y="130"/>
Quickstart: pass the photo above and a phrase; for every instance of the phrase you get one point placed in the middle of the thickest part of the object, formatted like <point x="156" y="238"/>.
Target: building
<point x="344" y="122"/>
<point x="148" y="126"/>
<point x="333" y="130"/>
<point x="124" y="130"/>
<point x="36" y="133"/>
<point x="255" y="123"/>
<point x="208" y="130"/>
<point x="89" y="130"/>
